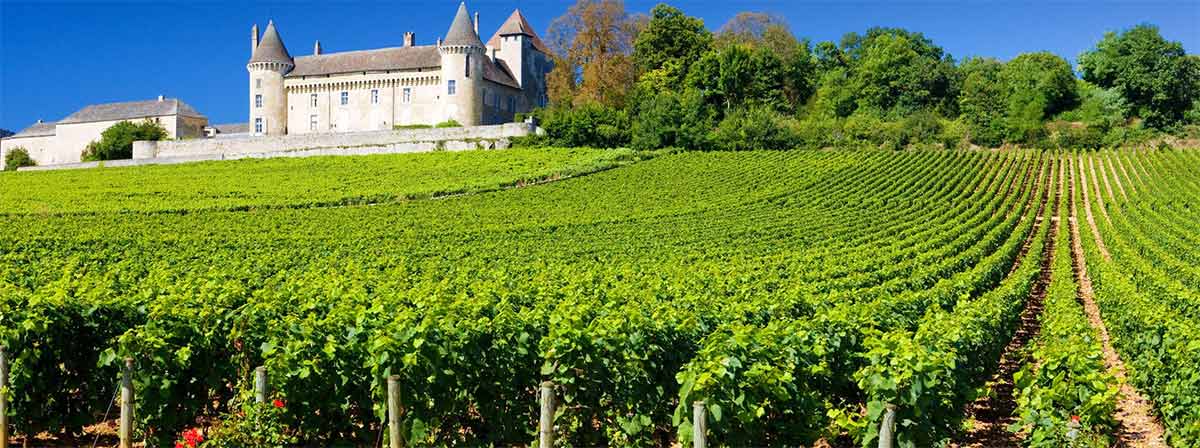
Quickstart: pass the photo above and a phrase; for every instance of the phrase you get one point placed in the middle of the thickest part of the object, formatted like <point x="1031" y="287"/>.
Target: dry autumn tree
<point x="593" y="46"/>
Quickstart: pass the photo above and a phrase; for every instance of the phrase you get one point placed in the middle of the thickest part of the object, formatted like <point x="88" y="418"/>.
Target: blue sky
<point x="58" y="57"/>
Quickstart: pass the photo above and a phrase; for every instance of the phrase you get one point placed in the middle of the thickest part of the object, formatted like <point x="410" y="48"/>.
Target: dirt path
<point x="1087" y="208"/>
<point x="1138" y="427"/>
<point x="992" y="414"/>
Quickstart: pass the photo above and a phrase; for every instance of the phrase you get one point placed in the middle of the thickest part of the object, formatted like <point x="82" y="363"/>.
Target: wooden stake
<point x="126" y="430"/>
<point x="699" y="425"/>
<point x="3" y="397"/>
<point x="546" y="425"/>
<point x="887" y="429"/>
<point x="393" y="403"/>
<point x="260" y="384"/>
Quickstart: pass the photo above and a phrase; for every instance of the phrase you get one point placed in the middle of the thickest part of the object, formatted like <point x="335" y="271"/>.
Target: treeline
<point x="665" y="80"/>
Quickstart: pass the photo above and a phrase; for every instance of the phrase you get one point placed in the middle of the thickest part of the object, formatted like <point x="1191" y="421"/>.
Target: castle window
<point x="258" y="101"/>
<point x="258" y="127"/>
<point x="345" y="98"/>
<point x="467" y="68"/>
<point x="407" y="98"/>
<point x="374" y="96"/>
<point x="258" y="83"/>
<point x="512" y="103"/>
<point x="312" y="99"/>
<point x="312" y="122"/>
<point x="451" y="87"/>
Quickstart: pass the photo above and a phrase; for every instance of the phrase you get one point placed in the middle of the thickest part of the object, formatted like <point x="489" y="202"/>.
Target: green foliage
<point x="273" y="183"/>
<point x="588" y="125"/>
<point x="411" y="126"/>
<point x="739" y="76"/>
<point x="1156" y="76"/>
<point x="671" y="120"/>
<point x="754" y="128"/>
<point x="17" y="157"/>
<point x="451" y="123"/>
<point x="116" y="142"/>
<point x="1065" y="378"/>
<point x="256" y="424"/>
<point x="670" y="39"/>
<point x="1043" y="75"/>
<point x="982" y="100"/>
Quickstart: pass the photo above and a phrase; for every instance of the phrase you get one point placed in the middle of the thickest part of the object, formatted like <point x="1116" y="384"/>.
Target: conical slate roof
<point x="270" y="48"/>
<point x="462" y="30"/>
<point x="517" y="24"/>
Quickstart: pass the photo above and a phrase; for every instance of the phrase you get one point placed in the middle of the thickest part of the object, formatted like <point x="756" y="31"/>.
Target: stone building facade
<point x="459" y="78"/>
<point x="51" y="143"/>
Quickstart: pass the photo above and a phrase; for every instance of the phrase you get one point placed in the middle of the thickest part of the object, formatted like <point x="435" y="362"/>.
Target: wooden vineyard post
<point x="125" y="431"/>
<point x="699" y="425"/>
<point x="546" y="424"/>
<point x="393" y="405"/>
<point x="3" y="398"/>
<point x="887" y="429"/>
<point x="260" y="384"/>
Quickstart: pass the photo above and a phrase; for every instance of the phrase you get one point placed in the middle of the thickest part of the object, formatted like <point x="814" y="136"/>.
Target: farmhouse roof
<point x="271" y="48"/>
<point x="517" y="24"/>
<point x="395" y="58"/>
<point x="39" y="129"/>
<point x="462" y="29"/>
<point x="130" y="110"/>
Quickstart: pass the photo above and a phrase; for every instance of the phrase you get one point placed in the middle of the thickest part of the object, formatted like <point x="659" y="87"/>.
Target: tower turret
<point x="268" y="64"/>
<point x="463" y="55"/>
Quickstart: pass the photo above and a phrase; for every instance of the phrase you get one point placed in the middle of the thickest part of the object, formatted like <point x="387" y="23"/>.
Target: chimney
<point x="439" y="42"/>
<point x="160" y="98"/>
<point x="254" y="38"/>
<point x="476" y="22"/>
<point x="409" y="38"/>
<point x="317" y="48"/>
<point x="493" y="54"/>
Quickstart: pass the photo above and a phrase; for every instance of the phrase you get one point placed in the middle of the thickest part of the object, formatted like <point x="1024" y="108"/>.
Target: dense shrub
<point x="590" y="125"/>
<point x="755" y="128"/>
<point x="16" y="158"/>
<point x="670" y="120"/>
<point x="116" y="142"/>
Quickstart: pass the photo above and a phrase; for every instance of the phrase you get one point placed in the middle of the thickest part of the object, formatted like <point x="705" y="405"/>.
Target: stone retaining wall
<point x="306" y="145"/>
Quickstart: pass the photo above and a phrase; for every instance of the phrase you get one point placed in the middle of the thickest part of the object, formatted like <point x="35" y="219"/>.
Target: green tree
<point x="116" y="142"/>
<point x="672" y="120"/>
<point x="1155" y="75"/>
<point x="737" y="76"/>
<point x="764" y="31"/>
<point x="16" y="158"/>
<point x="896" y="74"/>
<point x="982" y="100"/>
<point x="1046" y="75"/>
<point x="671" y="40"/>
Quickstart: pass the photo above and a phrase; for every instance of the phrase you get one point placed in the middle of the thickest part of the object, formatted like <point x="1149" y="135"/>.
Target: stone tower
<point x="463" y="55"/>
<point x="269" y="62"/>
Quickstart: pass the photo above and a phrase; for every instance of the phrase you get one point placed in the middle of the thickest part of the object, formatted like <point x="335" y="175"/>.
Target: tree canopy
<point x="1153" y="74"/>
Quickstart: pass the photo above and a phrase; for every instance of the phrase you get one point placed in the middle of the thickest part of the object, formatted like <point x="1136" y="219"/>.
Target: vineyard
<point x="804" y="296"/>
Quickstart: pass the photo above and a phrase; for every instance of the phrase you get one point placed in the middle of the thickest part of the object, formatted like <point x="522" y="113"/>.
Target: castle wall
<point x="496" y="108"/>
<point x="361" y="114"/>
<point x="406" y="140"/>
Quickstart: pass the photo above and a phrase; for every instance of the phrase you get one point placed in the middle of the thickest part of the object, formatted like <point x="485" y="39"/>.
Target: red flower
<point x="191" y="437"/>
<point x="178" y="444"/>
<point x="1075" y="418"/>
<point x="278" y="403"/>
